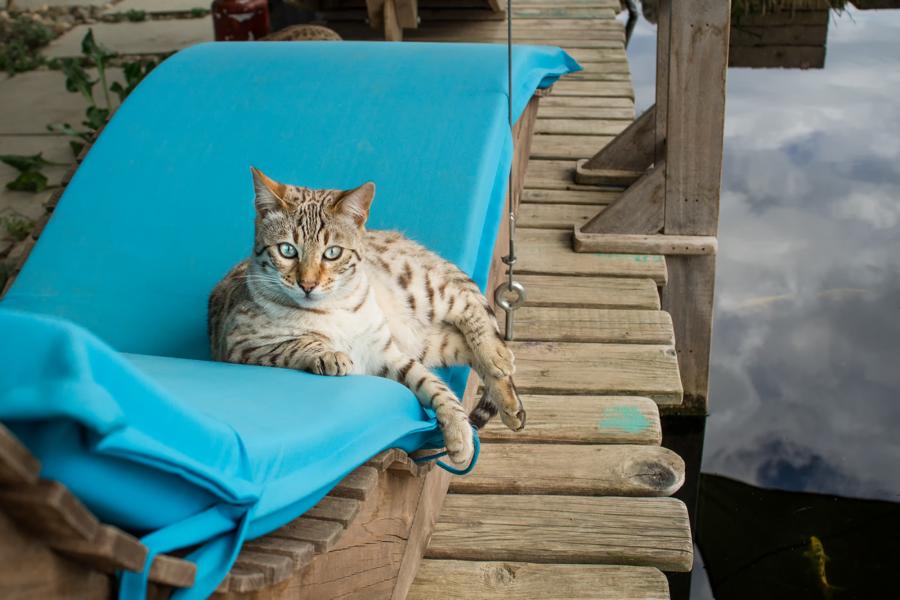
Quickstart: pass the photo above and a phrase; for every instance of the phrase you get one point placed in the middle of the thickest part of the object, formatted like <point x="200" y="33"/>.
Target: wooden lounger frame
<point x="364" y="540"/>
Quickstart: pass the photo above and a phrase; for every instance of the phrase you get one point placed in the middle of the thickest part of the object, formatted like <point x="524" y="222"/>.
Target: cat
<point x="321" y="293"/>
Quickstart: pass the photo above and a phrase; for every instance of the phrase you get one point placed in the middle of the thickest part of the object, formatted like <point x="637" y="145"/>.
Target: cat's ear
<point x="269" y="193"/>
<point x="356" y="203"/>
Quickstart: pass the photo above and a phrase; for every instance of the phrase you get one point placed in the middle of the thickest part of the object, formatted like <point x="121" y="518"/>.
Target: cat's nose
<point x="307" y="286"/>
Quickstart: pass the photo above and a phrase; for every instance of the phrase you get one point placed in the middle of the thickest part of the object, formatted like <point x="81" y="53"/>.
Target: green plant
<point x="30" y="178"/>
<point x="136" y="15"/>
<point x="17" y="227"/>
<point x="19" y="40"/>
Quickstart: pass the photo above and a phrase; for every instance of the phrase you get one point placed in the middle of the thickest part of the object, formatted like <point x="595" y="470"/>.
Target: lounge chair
<point x="107" y="380"/>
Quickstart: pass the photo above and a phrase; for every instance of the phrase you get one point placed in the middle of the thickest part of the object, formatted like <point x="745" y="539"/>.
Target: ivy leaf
<point x="96" y="117"/>
<point x="76" y="147"/>
<point x="77" y="79"/>
<point x="24" y="163"/>
<point x="29" y="181"/>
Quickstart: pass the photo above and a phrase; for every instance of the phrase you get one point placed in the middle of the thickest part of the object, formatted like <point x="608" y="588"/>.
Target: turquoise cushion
<point x="148" y="432"/>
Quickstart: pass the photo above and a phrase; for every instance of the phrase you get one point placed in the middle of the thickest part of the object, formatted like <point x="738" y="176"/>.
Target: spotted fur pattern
<point x="351" y="300"/>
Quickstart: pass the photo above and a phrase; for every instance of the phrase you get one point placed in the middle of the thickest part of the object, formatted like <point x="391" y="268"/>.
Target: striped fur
<point x="384" y="305"/>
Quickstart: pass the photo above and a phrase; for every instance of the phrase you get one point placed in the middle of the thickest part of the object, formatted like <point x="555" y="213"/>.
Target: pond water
<point x="805" y="374"/>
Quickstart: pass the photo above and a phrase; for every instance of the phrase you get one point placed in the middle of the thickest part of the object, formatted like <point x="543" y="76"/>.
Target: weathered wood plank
<point x="561" y="147"/>
<point x="17" y="465"/>
<point x="298" y="551"/>
<point x="577" y="102"/>
<point x="573" y="87"/>
<point x="172" y="571"/>
<point x="358" y="484"/>
<point x="580" y="126"/>
<point x="574" y="470"/>
<point x="591" y="197"/>
<point x="476" y="580"/>
<point x="559" y="175"/>
<point x="110" y="550"/>
<point x="582" y="420"/>
<point x="50" y="510"/>
<point x="634" y="150"/>
<point x="549" y="252"/>
<point x="639" y="210"/>
<point x="783" y="57"/>
<point x="575" y="112"/>
<point x="598" y="369"/>
<point x="555" y="216"/>
<point x="323" y="535"/>
<point x="652" y="532"/>
<point x="669" y="245"/>
<point x="274" y="567"/>
<point x="597" y="325"/>
<point x="590" y="292"/>
<point x="333" y="508"/>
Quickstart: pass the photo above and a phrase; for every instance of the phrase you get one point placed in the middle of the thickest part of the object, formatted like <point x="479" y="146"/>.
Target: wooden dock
<point x="576" y="505"/>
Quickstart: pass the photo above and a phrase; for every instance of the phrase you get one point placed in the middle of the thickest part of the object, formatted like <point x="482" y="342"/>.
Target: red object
<point x="240" y="20"/>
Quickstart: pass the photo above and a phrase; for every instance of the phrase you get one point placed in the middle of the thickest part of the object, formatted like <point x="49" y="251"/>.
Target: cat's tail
<point x="500" y="396"/>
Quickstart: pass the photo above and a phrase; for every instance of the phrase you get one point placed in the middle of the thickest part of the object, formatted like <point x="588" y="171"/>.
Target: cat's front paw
<point x="459" y="441"/>
<point x="332" y="363"/>
<point x="500" y="360"/>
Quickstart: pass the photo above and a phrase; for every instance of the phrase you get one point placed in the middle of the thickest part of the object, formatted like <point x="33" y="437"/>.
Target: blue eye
<point x="287" y="250"/>
<point x="333" y="252"/>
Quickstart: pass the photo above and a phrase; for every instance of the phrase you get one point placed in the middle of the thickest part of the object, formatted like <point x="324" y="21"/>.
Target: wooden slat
<point x="549" y="252"/>
<point x="323" y="535"/>
<point x="172" y="571"/>
<point x="577" y="102"/>
<point x="555" y="216"/>
<point x="573" y="112"/>
<point x="614" y="89"/>
<point x="559" y="147"/>
<point x="110" y="550"/>
<point x="300" y="552"/>
<point x="243" y="579"/>
<point x="598" y="369"/>
<point x="274" y="567"/>
<point x="590" y="292"/>
<point x="333" y="508"/>
<point x="558" y="175"/>
<point x="358" y="484"/>
<point x="580" y="126"/>
<point x="574" y="470"/>
<point x="597" y="325"/>
<point x="652" y="532"/>
<point x="50" y="510"/>
<point x="476" y="580"/>
<point x="17" y="465"/>
<point x="582" y="420"/>
<point x="640" y="209"/>
<point x="669" y="245"/>
<point x="591" y="197"/>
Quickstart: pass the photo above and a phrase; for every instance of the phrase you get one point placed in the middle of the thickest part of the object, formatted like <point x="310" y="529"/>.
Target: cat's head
<point x="309" y="242"/>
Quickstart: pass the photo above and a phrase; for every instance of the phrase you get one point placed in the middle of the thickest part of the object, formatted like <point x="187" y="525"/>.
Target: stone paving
<point x="29" y="101"/>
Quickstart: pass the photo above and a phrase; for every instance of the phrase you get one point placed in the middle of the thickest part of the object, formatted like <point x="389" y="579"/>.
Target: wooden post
<point x="697" y="62"/>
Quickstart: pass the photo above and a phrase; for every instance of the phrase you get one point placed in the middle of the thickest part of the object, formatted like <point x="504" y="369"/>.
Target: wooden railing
<point x="671" y="160"/>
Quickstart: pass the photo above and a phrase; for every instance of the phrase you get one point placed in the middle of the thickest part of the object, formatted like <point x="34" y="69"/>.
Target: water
<point x="805" y="373"/>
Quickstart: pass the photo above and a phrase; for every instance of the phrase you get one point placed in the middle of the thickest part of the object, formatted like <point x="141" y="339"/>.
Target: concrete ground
<point x="30" y="101"/>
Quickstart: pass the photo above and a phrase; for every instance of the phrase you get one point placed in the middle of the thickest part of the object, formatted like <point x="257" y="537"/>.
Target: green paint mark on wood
<point x="624" y="418"/>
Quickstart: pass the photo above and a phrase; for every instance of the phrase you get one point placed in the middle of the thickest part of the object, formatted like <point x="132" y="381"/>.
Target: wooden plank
<point x="669" y="245"/>
<point x="298" y="551"/>
<point x="580" y="126"/>
<point x="640" y="209"/>
<point x="613" y="177"/>
<point x="323" y="535"/>
<point x="574" y="470"/>
<point x="695" y="126"/>
<point x="587" y="102"/>
<point x="662" y="76"/>
<point x="470" y="580"/>
<point x="560" y="147"/>
<point x="555" y="216"/>
<point x="778" y="35"/>
<point x="555" y="174"/>
<point x="594" y="325"/>
<point x="358" y="484"/>
<point x="110" y="550"/>
<point x="590" y="292"/>
<point x="575" y="112"/>
<point x="29" y="569"/>
<point x="172" y="571"/>
<point x="784" y="18"/>
<point x="549" y="252"/>
<point x="242" y="579"/>
<point x="569" y="87"/>
<point x="652" y="532"/>
<point x="598" y="369"/>
<point x="582" y="420"/>
<point x="50" y="510"/>
<point x="775" y="57"/>
<point x="17" y="465"/>
<point x="690" y="301"/>
<point x="333" y="508"/>
<point x="274" y="567"/>
<point x="591" y="197"/>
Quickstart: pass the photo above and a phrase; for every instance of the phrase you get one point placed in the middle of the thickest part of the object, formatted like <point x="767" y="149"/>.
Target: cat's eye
<point x="287" y="250"/>
<point x="333" y="252"/>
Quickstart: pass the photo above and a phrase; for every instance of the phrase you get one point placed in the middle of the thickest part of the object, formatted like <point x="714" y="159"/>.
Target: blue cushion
<point x="148" y="432"/>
